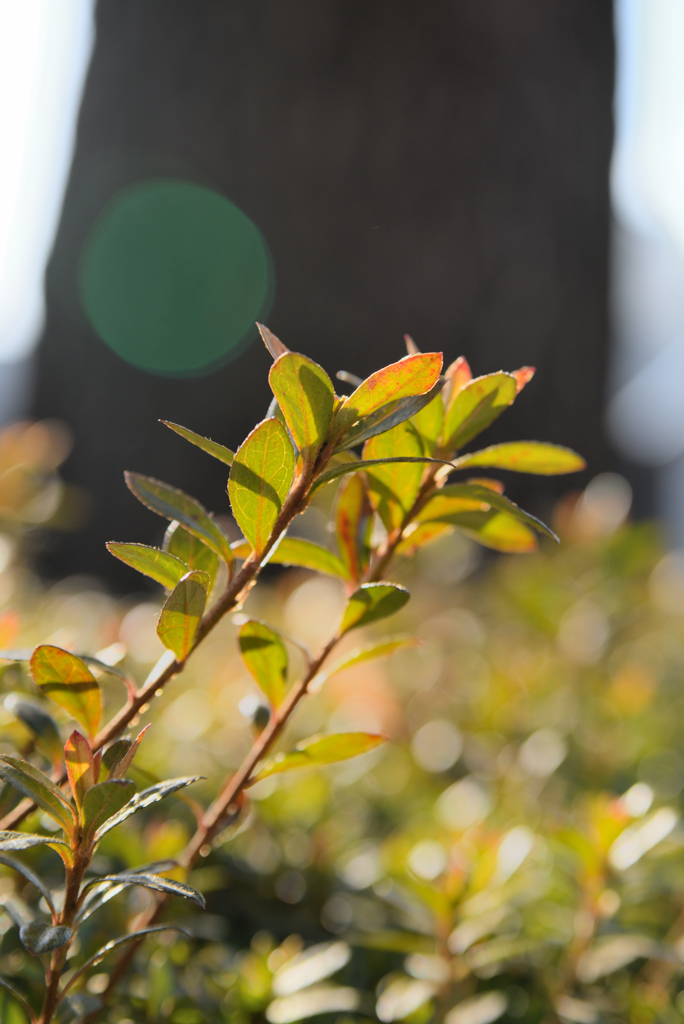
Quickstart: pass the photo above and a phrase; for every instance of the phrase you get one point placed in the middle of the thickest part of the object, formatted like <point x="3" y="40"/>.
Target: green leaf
<point x="377" y="649"/>
<point x="115" y="943"/>
<point x="354" y="467"/>
<point x="525" y="457"/>
<point x="41" y="724"/>
<point x="38" y="937"/>
<point x="307" y="555"/>
<point x="478" y="493"/>
<point x="386" y="417"/>
<point x="411" y="376"/>
<point x="182" y="613"/>
<point x="68" y="681"/>
<point x="31" y="876"/>
<point x="260" y="481"/>
<point x="321" y="750"/>
<point x="18" y="996"/>
<point x="496" y="530"/>
<point x="30" y="782"/>
<point x="371" y="602"/>
<point x="353" y="526"/>
<point x="103" y="801"/>
<point x="80" y="766"/>
<point x="158" y="565"/>
<point x="112" y="756"/>
<point x="218" y="451"/>
<point x="117" y="768"/>
<point x="477" y="405"/>
<point x="191" y="550"/>
<point x="25" y="840"/>
<point x="175" y="505"/>
<point x="393" y="488"/>
<point x="306" y="398"/>
<point x="264" y="654"/>
<point x="149" y="796"/>
<point x="169" y="885"/>
<point x="420" y="534"/>
<point x="428" y="422"/>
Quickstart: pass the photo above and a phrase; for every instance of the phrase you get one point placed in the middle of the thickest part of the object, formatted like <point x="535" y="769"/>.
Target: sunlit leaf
<point x="458" y="374"/>
<point x="378" y="649"/>
<point x="149" y="796"/>
<point x="272" y="343"/>
<point x="12" y="841"/>
<point x="173" y="504"/>
<point x="112" y="756"/>
<point x="80" y="767"/>
<point x="394" y="487"/>
<point x="29" y="875"/>
<point x="68" y="681"/>
<point x="218" y="451"/>
<point x="260" y="481"/>
<point x="31" y="782"/>
<point x="477" y="405"/>
<point x="41" y="724"/>
<point x="305" y="395"/>
<point x="386" y="417"/>
<point x="352" y="467"/>
<point x="478" y="493"/>
<point x="303" y="553"/>
<point x="410" y="376"/>
<point x="420" y="534"/>
<point x="38" y="937"/>
<point x="496" y="530"/>
<point x="265" y="656"/>
<point x="152" y="882"/>
<point x="428" y="423"/>
<point x="523" y="376"/>
<point x="103" y="801"/>
<point x="182" y="613"/>
<point x="525" y="457"/>
<point x="192" y="551"/>
<point x="371" y="602"/>
<point x="321" y="750"/>
<point x="158" y="565"/>
<point x="353" y="525"/>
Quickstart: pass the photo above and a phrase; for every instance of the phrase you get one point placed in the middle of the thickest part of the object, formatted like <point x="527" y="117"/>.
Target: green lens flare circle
<point x="174" y="276"/>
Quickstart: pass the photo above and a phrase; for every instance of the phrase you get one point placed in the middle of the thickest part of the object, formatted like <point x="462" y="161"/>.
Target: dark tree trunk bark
<point x="439" y="168"/>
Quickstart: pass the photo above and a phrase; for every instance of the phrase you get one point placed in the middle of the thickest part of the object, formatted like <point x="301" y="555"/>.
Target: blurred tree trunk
<point x="439" y="168"/>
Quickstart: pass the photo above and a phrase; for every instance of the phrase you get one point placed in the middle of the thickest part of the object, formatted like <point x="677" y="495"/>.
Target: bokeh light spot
<point x="173" y="277"/>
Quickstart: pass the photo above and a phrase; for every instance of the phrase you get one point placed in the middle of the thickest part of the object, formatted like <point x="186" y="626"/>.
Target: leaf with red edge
<point x="273" y="344"/>
<point x="458" y="374"/>
<point x="410" y="376"/>
<point x="523" y="376"/>
<point x="353" y="525"/>
<point x="118" y="770"/>
<point x="68" y="681"/>
<point x="477" y="404"/>
<point x="78" y="758"/>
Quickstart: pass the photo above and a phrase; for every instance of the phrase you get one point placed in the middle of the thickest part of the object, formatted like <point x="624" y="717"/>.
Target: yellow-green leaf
<point x="182" y="613"/>
<point x="496" y="530"/>
<point x="80" y="767"/>
<point x="386" y="417"/>
<point x="68" y="681"/>
<point x="353" y="525"/>
<point x="354" y="467"/>
<point x="31" y="782"/>
<point x="378" y="649"/>
<point x="306" y="397"/>
<point x="477" y="405"/>
<point x="218" y="451"/>
<point x="393" y="488"/>
<point x="158" y="565"/>
<point x="321" y="750"/>
<point x="428" y="422"/>
<point x="307" y="555"/>
<point x="420" y="534"/>
<point x="412" y="375"/>
<point x="192" y="551"/>
<point x="371" y="602"/>
<point x="174" y="504"/>
<point x="525" y="457"/>
<point x="477" y="493"/>
<point x="264" y="654"/>
<point x="260" y="481"/>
